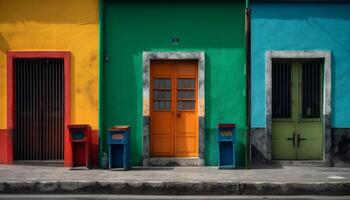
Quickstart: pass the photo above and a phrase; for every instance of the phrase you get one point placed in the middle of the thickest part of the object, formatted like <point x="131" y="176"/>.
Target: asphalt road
<point x="155" y="197"/>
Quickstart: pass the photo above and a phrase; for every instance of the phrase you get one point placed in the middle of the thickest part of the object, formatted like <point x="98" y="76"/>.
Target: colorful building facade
<point x="59" y="41"/>
<point x="300" y="66"/>
<point x="173" y="71"/>
<point x="199" y="44"/>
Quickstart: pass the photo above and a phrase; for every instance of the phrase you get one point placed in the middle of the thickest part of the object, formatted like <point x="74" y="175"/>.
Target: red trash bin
<point x="79" y="135"/>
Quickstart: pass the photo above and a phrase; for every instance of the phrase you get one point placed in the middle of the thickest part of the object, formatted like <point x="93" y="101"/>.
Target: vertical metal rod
<point x="289" y="89"/>
<point x="51" y="67"/>
<point x="319" y="89"/>
<point x="18" y="83"/>
<point x="53" y="109"/>
<point x="49" y="133"/>
<point x="303" y="88"/>
<point x="55" y="140"/>
<point x="42" y="117"/>
<point x="311" y="94"/>
<point x="285" y="85"/>
<point x="314" y="89"/>
<point x="36" y="106"/>
<point x="54" y="89"/>
<point x="21" y="111"/>
<point x="15" y="139"/>
<point x="38" y="87"/>
<point x="38" y="114"/>
<point x="18" y="76"/>
<point x="45" y="118"/>
<point x="62" y="108"/>
<point x="27" y="132"/>
<point x="29" y="142"/>
<point x="273" y="89"/>
<point x="281" y="88"/>
<point x="34" y="110"/>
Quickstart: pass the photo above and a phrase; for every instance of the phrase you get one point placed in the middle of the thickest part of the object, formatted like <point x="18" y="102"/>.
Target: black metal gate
<point x="39" y="109"/>
<point x="311" y="98"/>
<point x="281" y="90"/>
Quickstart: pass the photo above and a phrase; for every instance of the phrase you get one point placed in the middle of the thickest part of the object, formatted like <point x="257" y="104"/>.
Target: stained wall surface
<point x="302" y="26"/>
<point x="40" y="25"/>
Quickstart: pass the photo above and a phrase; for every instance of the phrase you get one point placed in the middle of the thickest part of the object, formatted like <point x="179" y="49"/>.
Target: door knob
<point x="178" y="114"/>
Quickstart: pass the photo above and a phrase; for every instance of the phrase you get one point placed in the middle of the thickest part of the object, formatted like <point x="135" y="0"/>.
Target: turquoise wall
<point x="302" y="26"/>
<point x="215" y="28"/>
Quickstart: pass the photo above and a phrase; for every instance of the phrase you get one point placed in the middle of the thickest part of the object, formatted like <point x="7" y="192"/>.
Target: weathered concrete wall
<point x="259" y="146"/>
<point x="55" y="25"/>
<point x="341" y="146"/>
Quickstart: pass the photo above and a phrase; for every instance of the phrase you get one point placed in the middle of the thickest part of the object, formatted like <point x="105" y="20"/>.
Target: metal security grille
<point x="281" y="90"/>
<point x="311" y="90"/>
<point x="39" y="105"/>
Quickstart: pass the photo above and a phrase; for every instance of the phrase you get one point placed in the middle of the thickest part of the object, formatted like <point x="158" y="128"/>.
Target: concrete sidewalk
<point x="176" y="180"/>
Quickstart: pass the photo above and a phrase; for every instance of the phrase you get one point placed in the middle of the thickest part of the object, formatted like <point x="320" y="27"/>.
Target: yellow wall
<point x="55" y="25"/>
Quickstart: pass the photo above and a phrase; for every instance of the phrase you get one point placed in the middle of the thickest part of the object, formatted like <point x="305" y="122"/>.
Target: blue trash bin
<point x="227" y="138"/>
<point x="119" y="147"/>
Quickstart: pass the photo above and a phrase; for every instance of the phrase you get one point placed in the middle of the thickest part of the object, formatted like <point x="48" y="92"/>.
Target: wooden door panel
<point x="186" y="136"/>
<point x="162" y="135"/>
<point x="186" y="123"/>
<point x="162" y="68"/>
<point x="162" y="115"/>
<point x="186" y="146"/>
<point x="186" y="68"/>
<point x="162" y="146"/>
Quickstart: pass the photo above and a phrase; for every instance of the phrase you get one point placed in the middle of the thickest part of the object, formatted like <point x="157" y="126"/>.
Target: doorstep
<point x="173" y="162"/>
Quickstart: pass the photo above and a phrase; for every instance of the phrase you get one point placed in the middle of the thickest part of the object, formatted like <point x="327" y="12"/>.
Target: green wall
<point x="215" y="28"/>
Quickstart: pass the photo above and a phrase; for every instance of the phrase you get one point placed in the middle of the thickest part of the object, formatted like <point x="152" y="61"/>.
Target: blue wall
<point x="302" y="26"/>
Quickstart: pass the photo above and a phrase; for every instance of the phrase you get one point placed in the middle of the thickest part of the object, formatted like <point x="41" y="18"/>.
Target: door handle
<point x="299" y="139"/>
<point x="178" y="114"/>
<point x="292" y="138"/>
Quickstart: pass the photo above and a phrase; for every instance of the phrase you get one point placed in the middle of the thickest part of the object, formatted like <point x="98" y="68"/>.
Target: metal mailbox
<point x="119" y="147"/>
<point x="227" y="138"/>
<point x="79" y="136"/>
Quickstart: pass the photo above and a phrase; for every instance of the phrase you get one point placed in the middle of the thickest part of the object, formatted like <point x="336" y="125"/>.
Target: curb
<point x="173" y="188"/>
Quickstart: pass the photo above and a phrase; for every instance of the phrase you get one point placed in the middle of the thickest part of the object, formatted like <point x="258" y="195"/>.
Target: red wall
<point x="6" y="147"/>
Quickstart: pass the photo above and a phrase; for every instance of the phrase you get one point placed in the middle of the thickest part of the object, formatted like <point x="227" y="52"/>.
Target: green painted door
<point x="297" y="125"/>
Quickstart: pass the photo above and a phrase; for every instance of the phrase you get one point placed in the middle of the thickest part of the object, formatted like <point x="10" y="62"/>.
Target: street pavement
<point x="276" y="180"/>
<point x="154" y="197"/>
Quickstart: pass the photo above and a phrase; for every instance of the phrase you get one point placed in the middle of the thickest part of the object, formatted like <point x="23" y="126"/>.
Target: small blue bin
<point x="227" y="138"/>
<point x="119" y="147"/>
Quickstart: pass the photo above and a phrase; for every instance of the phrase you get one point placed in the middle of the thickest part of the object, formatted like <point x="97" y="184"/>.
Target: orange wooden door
<point x="162" y="109"/>
<point x="186" y="129"/>
<point x="174" y="116"/>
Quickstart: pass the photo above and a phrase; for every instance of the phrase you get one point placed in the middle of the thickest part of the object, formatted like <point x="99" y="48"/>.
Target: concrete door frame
<point x="147" y="57"/>
<point x="326" y="56"/>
